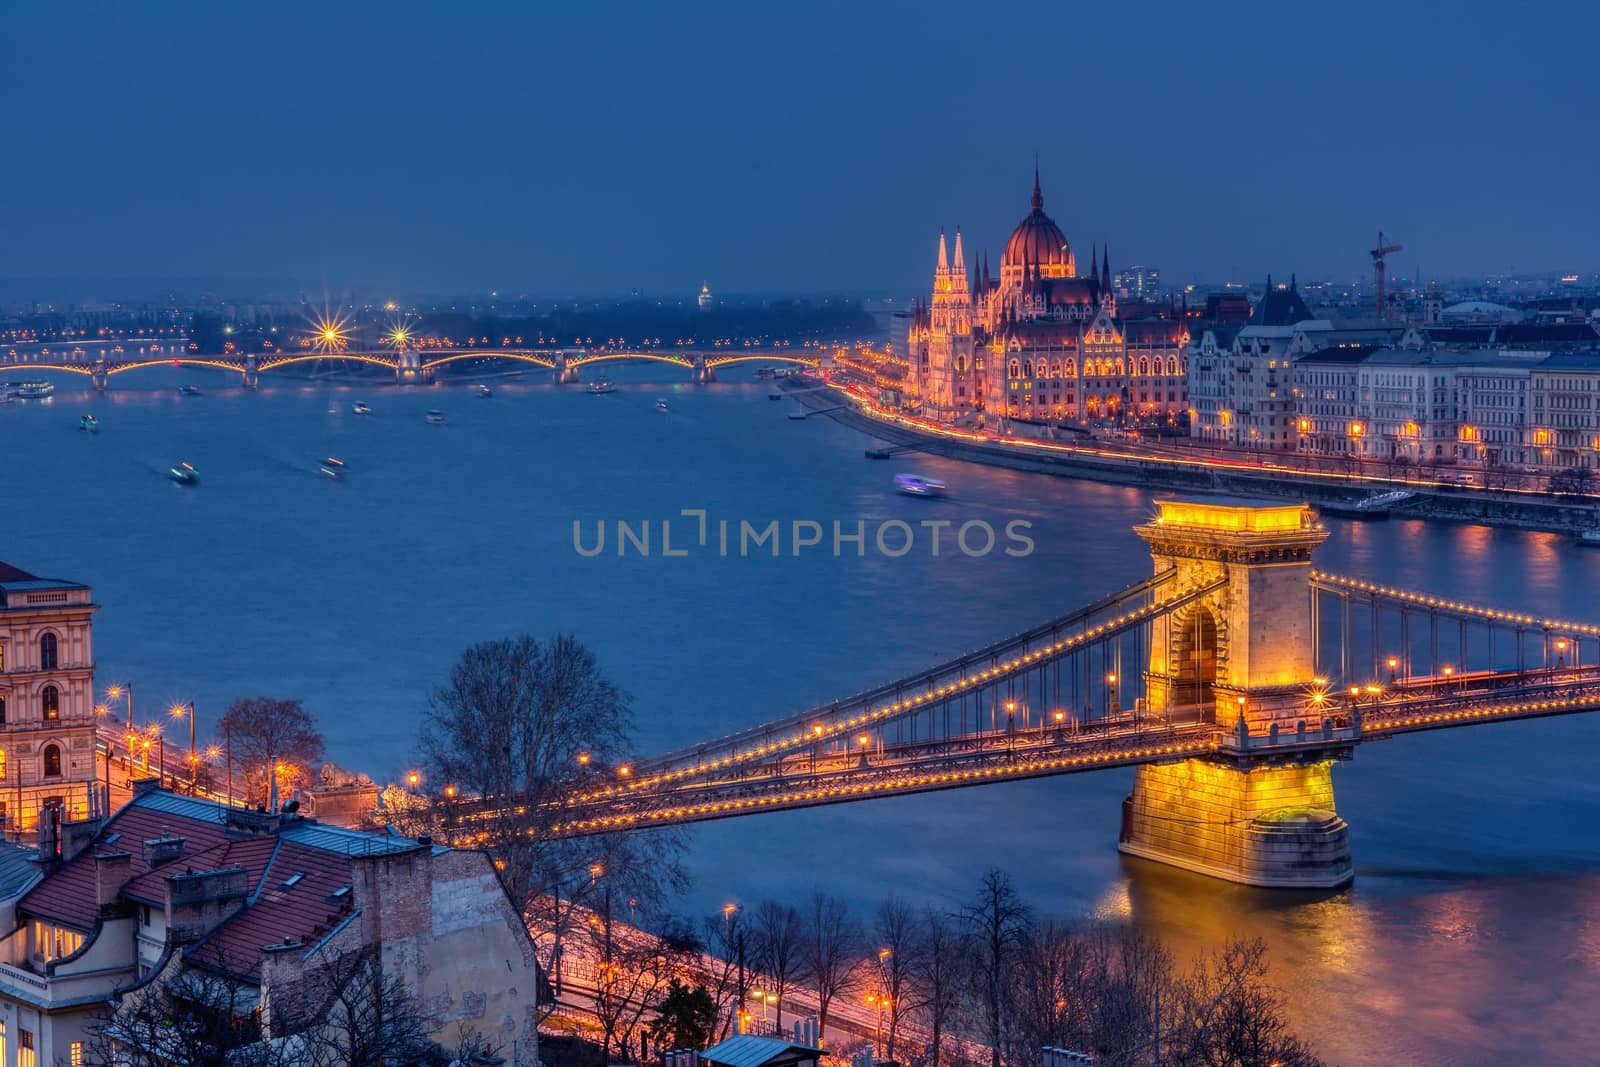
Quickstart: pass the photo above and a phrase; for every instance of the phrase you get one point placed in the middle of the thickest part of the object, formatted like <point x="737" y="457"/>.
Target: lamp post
<point x="1394" y="663"/>
<point x="1111" y="695"/>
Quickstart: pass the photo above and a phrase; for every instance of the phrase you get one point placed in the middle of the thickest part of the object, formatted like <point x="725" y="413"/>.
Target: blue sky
<point x="584" y="148"/>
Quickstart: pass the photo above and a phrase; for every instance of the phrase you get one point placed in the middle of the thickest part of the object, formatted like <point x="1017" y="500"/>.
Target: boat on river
<point x="661" y="405"/>
<point x="1376" y="506"/>
<point x="332" y="467"/>
<point x="1590" y="538"/>
<point x="188" y="390"/>
<point x="34" y="390"/>
<point x="601" y="386"/>
<point x="360" y="408"/>
<point x="435" y="417"/>
<point x="185" y="474"/>
<point x="916" y="485"/>
<point x="89" y="424"/>
<point x="485" y="391"/>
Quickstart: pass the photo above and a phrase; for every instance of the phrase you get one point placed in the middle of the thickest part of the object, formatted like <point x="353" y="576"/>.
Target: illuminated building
<point x="706" y="300"/>
<point x="47" y="705"/>
<point x="1039" y="342"/>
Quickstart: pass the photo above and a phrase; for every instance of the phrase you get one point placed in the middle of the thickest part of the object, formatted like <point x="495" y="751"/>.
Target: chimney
<point x="110" y="875"/>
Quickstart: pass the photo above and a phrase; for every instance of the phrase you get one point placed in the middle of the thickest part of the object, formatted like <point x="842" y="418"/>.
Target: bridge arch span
<point x="724" y="361"/>
<point x="350" y="357"/>
<point x="520" y="357"/>
<point x="176" y="361"/>
<point x="604" y="357"/>
<point x="70" y="368"/>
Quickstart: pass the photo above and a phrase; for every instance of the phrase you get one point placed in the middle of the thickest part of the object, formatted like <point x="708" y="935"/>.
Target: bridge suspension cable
<point x="991" y="667"/>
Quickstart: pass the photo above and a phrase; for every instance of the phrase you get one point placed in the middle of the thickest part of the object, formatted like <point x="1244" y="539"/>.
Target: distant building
<point x="1246" y="386"/>
<point x="1137" y="283"/>
<point x="174" y="884"/>
<point x="1041" y="342"/>
<point x="47" y="707"/>
<point x="706" y="300"/>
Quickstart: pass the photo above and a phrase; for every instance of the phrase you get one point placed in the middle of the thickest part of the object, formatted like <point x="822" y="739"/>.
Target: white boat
<point x="599" y="386"/>
<point x="34" y="390"/>
<point x="188" y="390"/>
<point x="89" y="424"/>
<point x="1590" y="538"/>
<point x="485" y="391"/>
<point x="916" y="485"/>
<point x="360" y="408"/>
<point x="435" y="417"/>
<point x="185" y="474"/>
<point x="661" y="405"/>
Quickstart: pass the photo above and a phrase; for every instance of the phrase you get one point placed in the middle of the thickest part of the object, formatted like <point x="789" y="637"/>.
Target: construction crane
<point x="1377" y="255"/>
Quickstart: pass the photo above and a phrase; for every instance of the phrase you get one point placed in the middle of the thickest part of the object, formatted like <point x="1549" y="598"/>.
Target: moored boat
<point x="1376" y="506"/>
<point x="34" y="390"/>
<point x="1590" y="538"/>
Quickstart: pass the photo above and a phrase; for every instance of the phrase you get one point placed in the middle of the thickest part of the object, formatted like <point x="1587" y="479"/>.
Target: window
<point x="75" y="1054"/>
<point x="52" y="760"/>
<point x="2" y="717"/>
<point x="2" y="775"/>
<point x="47" y="652"/>
<point x="50" y="703"/>
<point x="54" y="942"/>
<point x="25" y="1053"/>
<point x="2" y="670"/>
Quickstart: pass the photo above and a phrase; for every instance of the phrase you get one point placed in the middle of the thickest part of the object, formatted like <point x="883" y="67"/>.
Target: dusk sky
<point x="597" y="148"/>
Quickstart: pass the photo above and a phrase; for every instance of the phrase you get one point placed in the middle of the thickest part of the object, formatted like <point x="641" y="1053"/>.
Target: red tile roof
<point x="279" y="906"/>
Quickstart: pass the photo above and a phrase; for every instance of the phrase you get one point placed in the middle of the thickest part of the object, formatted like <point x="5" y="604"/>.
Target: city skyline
<point x="545" y="152"/>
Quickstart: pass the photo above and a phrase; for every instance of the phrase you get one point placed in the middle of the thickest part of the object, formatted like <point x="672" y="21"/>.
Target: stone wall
<point x="1269" y="826"/>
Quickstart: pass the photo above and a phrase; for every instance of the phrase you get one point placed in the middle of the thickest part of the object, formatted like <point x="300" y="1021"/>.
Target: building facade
<point x="267" y="902"/>
<point x="48" y="761"/>
<point x="1039" y="342"/>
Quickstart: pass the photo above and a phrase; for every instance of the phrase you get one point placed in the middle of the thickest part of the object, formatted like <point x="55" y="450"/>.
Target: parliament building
<point x="1039" y="342"/>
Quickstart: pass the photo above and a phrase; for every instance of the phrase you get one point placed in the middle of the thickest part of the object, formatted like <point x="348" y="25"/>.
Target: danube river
<point x="1471" y="936"/>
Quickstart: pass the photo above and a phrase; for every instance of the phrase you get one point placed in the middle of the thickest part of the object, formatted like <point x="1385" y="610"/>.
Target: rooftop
<point x="748" y="1050"/>
<point x="202" y="849"/>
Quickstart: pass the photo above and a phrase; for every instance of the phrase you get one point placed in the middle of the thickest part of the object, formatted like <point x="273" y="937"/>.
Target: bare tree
<point x="360" y="1015"/>
<point x="829" y="952"/>
<point x="996" y="921"/>
<point x="537" y="724"/>
<point x="633" y="973"/>
<point x="940" y="976"/>
<point x="265" y="737"/>
<point x="197" y="1018"/>
<point x="778" y="937"/>
<point x="722" y="968"/>
<point x="1232" y="1017"/>
<point x="899" y="958"/>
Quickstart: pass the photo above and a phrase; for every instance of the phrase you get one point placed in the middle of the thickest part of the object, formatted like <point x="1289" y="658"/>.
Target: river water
<point x="1471" y="936"/>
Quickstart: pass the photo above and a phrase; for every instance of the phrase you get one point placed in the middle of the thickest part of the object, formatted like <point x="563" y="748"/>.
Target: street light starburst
<point x="329" y="332"/>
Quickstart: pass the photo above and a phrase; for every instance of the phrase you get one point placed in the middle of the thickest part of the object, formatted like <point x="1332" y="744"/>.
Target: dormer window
<point x="51" y="942"/>
<point x="293" y="880"/>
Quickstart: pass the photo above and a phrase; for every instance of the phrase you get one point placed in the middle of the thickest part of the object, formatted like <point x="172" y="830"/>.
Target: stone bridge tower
<point x="1241" y="656"/>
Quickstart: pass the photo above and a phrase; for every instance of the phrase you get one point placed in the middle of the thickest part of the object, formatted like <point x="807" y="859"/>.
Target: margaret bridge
<point x="412" y="365"/>
<point x="1234" y="678"/>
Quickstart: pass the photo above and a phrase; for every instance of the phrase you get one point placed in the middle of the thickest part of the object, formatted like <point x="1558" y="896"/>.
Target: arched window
<point x="961" y="363"/>
<point x="1119" y="367"/>
<point x="1144" y="367"/>
<point x="1172" y="364"/>
<point x="1055" y="368"/>
<point x="50" y="702"/>
<point x="2" y="711"/>
<point x="47" y="652"/>
<point x="52" y="760"/>
<point x="1016" y="368"/>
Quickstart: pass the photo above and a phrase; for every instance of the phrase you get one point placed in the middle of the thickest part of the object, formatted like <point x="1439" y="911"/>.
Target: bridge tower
<point x="1255" y="811"/>
<point x="100" y="375"/>
<point x="408" y="367"/>
<point x="703" y="371"/>
<point x="565" y="374"/>
<point x="252" y="370"/>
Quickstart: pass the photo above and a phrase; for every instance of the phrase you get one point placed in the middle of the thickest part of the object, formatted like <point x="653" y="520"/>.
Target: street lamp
<point x="1111" y="695"/>
<point x="1394" y="663"/>
<point x="123" y="692"/>
<point x="413" y="779"/>
<point x="1561" y="652"/>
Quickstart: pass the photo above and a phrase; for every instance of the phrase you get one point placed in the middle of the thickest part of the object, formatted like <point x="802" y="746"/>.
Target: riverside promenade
<point x="1192" y="470"/>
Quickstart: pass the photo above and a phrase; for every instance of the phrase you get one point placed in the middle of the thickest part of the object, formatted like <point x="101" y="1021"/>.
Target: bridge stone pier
<point x="408" y="367"/>
<point x="1243" y="653"/>
<point x="566" y="374"/>
<point x="703" y="371"/>
<point x="101" y="375"/>
<point x="252" y="371"/>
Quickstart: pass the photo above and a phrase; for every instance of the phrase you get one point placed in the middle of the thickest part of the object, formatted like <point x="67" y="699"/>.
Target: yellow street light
<point x="413" y="779"/>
